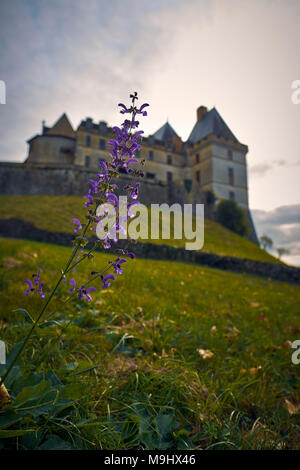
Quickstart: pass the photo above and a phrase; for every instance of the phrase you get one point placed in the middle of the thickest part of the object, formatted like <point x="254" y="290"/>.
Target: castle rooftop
<point x="210" y="123"/>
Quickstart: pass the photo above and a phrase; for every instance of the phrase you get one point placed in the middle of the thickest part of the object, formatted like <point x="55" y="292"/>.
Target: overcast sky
<point x="241" y="56"/>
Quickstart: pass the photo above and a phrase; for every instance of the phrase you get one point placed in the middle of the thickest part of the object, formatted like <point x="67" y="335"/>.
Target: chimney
<point x="177" y="144"/>
<point x="201" y="111"/>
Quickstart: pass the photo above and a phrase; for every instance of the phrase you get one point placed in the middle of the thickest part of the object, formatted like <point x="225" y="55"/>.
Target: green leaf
<point x="25" y="314"/>
<point x="70" y="366"/>
<point x="88" y="369"/>
<point x="32" y="392"/>
<point x="49" y="323"/>
<point x="55" y="443"/>
<point x="14" y="432"/>
<point x="8" y="418"/>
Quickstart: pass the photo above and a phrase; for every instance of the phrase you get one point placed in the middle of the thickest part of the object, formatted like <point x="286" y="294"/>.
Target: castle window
<point x="229" y="153"/>
<point x="151" y="155"/>
<point x="198" y="176"/>
<point x="231" y="176"/>
<point x="102" y="144"/>
<point x="169" y="159"/>
<point x="151" y="176"/>
<point x="88" y="140"/>
<point x="231" y="195"/>
<point x="197" y="158"/>
<point x="87" y="161"/>
<point x="169" y="176"/>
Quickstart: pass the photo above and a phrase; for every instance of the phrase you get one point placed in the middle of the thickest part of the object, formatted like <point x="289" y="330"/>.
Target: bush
<point x="231" y="216"/>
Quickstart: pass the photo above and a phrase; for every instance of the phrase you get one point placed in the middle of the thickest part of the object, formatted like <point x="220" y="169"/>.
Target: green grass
<point x="151" y="388"/>
<point x="54" y="213"/>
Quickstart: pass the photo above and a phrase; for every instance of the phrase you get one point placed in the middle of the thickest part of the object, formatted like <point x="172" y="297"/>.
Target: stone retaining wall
<point x="17" y="228"/>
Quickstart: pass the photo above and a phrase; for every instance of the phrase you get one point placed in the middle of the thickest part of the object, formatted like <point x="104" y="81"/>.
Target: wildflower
<point x="73" y="282"/>
<point x="40" y="292"/>
<point x="37" y="278"/>
<point x="30" y="287"/>
<point x="84" y="293"/>
<point x="117" y="265"/>
<point x="106" y="280"/>
<point x="105" y="170"/>
<point x="112" y="198"/>
<point x="37" y="282"/>
<point x="130" y="213"/>
<point x="94" y="185"/>
<point x="134" y="192"/>
<point x="140" y="111"/>
<point x="89" y="197"/>
<point x="126" y="164"/>
<point x="79" y="226"/>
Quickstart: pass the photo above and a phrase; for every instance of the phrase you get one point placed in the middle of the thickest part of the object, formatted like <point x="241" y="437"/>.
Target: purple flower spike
<point x="30" y="287"/>
<point x="106" y="280"/>
<point x="79" y="226"/>
<point x="130" y="255"/>
<point x="73" y="282"/>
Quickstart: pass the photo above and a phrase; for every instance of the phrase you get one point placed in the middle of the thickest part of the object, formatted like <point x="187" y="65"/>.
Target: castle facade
<point x="211" y="159"/>
<point x="61" y="160"/>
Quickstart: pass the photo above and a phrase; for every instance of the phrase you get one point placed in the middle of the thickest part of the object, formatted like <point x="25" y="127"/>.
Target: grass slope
<point x="152" y="388"/>
<point x="54" y="213"/>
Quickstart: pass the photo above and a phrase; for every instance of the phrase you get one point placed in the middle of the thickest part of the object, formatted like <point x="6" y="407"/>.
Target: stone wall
<point x="26" y="179"/>
<point x="67" y="180"/>
<point x="17" y="228"/>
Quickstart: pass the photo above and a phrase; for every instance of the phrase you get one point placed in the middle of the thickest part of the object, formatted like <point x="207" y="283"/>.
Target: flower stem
<point x="27" y="337"/>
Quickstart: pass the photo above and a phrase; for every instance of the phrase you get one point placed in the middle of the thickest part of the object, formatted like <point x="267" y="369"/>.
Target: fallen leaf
<point x="232" y="330"/>
<point x="286" y="344"/>
<point x="252" y="371"/>
<point x="205" y="353"/>
<point x="254" y="304"/>
<point x="213" y="329"/>
<point x="163" y="355"/>
<point x="139" y="311"/>
<point x="292" y="408"/>
<point x="262" y="317"/>
<point x="4" y="396"/>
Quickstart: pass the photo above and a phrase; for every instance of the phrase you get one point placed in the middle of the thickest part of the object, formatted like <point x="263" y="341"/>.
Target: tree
<point x="209" y="201"/>
<point x="282" y="251"/>
<point x="266" y="242"/>
<point x="231" y="216"/>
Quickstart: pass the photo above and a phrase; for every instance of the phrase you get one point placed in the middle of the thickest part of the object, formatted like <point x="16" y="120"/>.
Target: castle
<point x="212" y="159"/>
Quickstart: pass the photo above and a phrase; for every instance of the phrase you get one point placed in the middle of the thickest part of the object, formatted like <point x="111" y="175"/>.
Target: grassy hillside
<point x="55" y="213"/>
<point x="154" y="387"/>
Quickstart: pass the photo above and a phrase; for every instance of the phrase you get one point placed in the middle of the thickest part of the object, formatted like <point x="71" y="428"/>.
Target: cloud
<point x="259" y="170"/>
<point x="282" y="225"/>
<point x="82" y="58"/>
